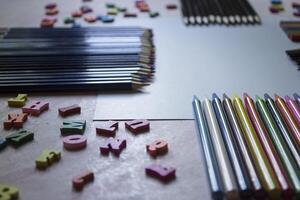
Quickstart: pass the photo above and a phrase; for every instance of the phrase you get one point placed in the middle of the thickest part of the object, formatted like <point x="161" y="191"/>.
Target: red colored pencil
<point x="268" y="147"/>
<point x="288" y="119"/>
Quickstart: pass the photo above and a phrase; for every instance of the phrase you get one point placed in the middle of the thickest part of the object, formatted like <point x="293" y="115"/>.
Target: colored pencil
<point x="260" y="160"/>
<point x="106" y="58"/>
<point x="231" y="147"/>
<point x="294" y="108"/>
<point x="284" y="130"/>
<point x="297" y="98"/>
<point x="270" y="152"/>
<point x="228" y="179"/>
<point x="211" y="164"/>
<point x="288" y="119"/>
<point x="286" y="157"/>
<point x="246" y="162"/>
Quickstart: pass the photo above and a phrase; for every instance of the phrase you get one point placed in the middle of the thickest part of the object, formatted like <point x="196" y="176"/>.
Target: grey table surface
<point x="190" y="60"/>
<point x="115" y="178"/>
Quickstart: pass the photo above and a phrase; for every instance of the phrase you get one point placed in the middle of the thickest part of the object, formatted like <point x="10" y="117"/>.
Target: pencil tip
<point x="276" y="96"/>
<point x="234" y="95"/>
<point x="215" y="96"/>
<point x="245" y="95"/>
<point x="225" y="96"/>
<point x="296" y="96"/>
<point x="267" y="96"/>
<point x="195" y="98"/>
<point x="287" y="98"/>
<point x="257" y="97"/>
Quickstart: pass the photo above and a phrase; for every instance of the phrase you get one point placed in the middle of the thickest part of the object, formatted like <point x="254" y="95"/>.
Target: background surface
<point x="190" y="60"/>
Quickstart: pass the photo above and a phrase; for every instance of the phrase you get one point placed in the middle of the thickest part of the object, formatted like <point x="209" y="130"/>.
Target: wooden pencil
<point x="294" y="108"/>
<point x="286" y="157"/>
<point x="297" y="98"/>
<point x="270" y="152"/>
<point x="247" y="161"/>
<point x="288" y="119"/>
<point x="36" y="59"/>
<point x="261" y="162"/>
<point x="241" y="175"/>
<point x="228" y="179"/>
<point x="283" y="128"/>
<point x="211" y="164"/>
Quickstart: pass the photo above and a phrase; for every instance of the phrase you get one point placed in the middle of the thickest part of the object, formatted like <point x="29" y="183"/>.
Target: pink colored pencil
<point x="294" y="108"/>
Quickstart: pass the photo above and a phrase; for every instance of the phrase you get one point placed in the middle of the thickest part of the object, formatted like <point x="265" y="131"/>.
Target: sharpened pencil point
<point x="267" y="96"/>
<point x="296" y="96"/>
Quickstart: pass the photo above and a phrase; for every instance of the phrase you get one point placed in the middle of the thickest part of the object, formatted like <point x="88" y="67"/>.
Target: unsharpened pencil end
<point x="287" y="98"/>
<point x="235" y="96"/>
<point x="245" y="95"/>
<point x="215" y="96"/>
<point x="225" y="96"/>
<point x="195" y="98"/>
<point x="257" y="97"/>
<point x="267" y="96"/>
<point x="277" y="97"/>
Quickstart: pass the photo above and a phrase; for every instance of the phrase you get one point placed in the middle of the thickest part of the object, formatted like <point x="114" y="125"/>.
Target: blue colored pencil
<point x="240" y="172"/>
<point x="211" y="164"/>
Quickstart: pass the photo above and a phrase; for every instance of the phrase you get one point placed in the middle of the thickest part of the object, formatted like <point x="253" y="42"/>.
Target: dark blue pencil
<point x="212" y="168"/>
<point x="243" y="181"/>
<point x="297" y="98"/>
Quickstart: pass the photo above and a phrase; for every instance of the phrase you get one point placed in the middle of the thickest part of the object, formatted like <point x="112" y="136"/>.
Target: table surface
<point x="115" y="178"/>
<point x="124" y="177"/>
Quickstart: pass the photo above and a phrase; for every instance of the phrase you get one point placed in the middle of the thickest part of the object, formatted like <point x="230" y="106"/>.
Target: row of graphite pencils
<point x="76" y="59"/>
<point x="251" y="149"/>
<point x="227" y="12"/>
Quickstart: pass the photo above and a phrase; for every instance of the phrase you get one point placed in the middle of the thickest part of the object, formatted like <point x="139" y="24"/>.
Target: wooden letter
<point x="138" y="126"/>
<point x="47" y="158"/>
<point x="158" y="147"/>
<point x="83" y="179"/>
<point x="15" y="120"/>
<point x="162" y="173"/>
<point x="8" y="192"/>
<point x="70" y="110"/>
<point x="114" y="145"/>
<point x="74" y="142"/>
<point x="36" y="108"/>
<point x="20" y="137"/>
<point x="18" y="101"/>
<point x="107" y="129"/>
<point x="73" y="127"/>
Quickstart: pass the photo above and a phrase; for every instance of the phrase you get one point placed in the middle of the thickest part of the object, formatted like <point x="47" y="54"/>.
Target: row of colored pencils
<point x="251" y="149"/>
<point x="227" y="12"/>
<point x="294" y="55"/>
<point x="291" y="29"/>
<point x="93" y="58"/>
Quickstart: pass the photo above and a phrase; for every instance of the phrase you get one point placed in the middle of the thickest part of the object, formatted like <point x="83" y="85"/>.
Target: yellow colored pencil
<point x="261" y="162"/>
